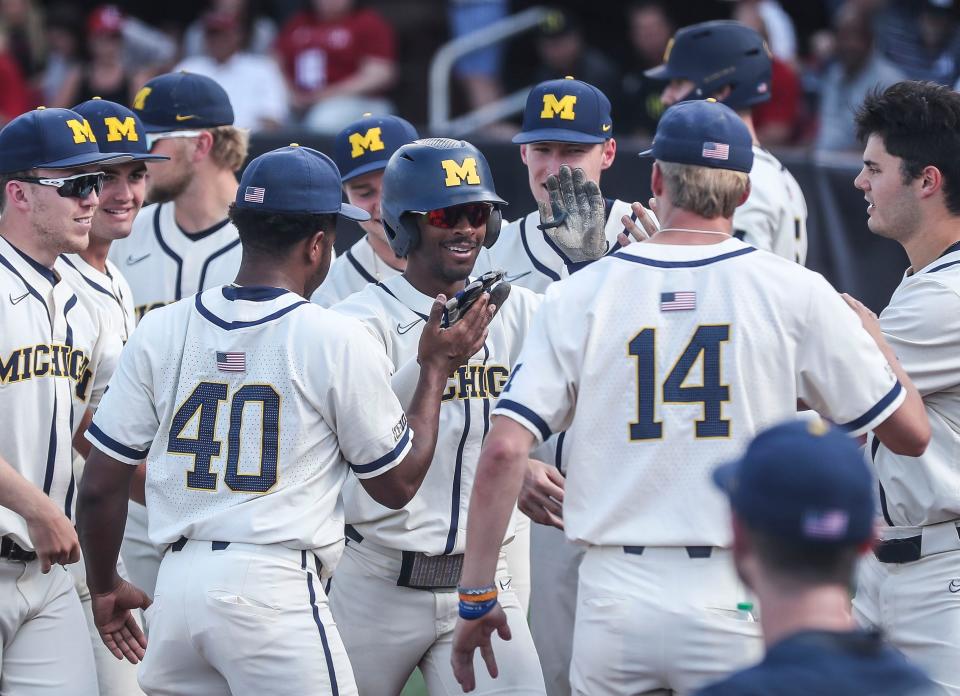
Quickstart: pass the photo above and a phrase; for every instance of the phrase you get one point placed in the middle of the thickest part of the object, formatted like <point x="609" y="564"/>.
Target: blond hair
<point x="229" y="146"/>
<point x="706" y="191"/>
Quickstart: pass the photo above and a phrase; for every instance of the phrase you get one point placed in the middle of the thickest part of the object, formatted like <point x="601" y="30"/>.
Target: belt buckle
<point x="419" y="571"/>
<point x="12" y="551"/>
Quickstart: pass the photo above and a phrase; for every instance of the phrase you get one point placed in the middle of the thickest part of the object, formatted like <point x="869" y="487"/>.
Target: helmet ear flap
<point x="493" y="227"/>
<point x="407" y="237"/>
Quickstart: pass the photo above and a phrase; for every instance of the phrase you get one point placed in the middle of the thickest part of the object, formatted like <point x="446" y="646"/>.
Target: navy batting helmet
<point x="430" y="174"/>
<point x="716" y="54"/>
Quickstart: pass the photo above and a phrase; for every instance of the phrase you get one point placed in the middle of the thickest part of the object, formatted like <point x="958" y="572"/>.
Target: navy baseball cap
<point x="295" y="179"/>
<point x="117" y="128"/>
<point x="806" y="481"/>
<point x="565" y="111"/>
<point x="366" y="144"/>
<point x="51" y="139"/>
<point x="182" y="101"/>
<point x="704" y="133"/>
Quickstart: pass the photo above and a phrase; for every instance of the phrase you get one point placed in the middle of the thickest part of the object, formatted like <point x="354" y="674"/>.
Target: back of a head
<point x="430" y="174"/>
<point x="718" y="54"/>
<point x="918" y="122"/>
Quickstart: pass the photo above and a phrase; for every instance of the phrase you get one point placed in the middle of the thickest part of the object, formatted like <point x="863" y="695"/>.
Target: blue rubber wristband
<point x="474" y="610"/>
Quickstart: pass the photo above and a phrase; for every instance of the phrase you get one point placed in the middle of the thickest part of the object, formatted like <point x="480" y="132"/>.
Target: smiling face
<point x="61" y="224"/>
<point x="893" y="208"/>
<point x="124" y="188"/>
<point x="446" y="256"/>
<point x="364" y="192"/>
<point x="544" y="159"/>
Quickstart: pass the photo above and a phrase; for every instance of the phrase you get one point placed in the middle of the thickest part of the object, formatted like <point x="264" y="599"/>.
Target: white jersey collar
<point x="683" y="252"/>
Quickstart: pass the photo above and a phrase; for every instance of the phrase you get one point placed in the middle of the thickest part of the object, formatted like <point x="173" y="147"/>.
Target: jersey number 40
<point x="204" y="403"/>
<point x="706" y="343"/>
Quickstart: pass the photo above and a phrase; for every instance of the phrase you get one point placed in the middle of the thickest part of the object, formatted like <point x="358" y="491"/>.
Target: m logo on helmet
<point x="562" y="107"/>
<point x="82" y="132"/>
<point x="371" y="141"/>
<point x="457" y="173"/>
<point x="118" y="130"/>
<point x="140" y="101"/>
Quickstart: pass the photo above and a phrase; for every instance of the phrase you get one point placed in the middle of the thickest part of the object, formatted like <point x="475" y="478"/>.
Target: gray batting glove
<point x="575" y="216"/>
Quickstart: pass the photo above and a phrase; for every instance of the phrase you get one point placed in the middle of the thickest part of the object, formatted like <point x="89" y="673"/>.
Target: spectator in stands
<point x="781" y="34"/>
<point x="261" y="31"/>
<point x="105" y="74"/>
<point x="15" y="96"/>
<point x="563" y="51"/>
<point x="23" y="22"/>
<point x="64" y="39"/>
<point x="777" y="121"/>
<point x="924" y="44"/>
<point x="478" y="72"/>
<point x="650" y="31"/>
<point x="858" y="70"/>
<point x="339" y="62"/>
<point x="253" y="82"/>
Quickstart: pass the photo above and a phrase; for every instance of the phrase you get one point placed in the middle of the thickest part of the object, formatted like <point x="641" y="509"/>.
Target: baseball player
<point x="717" y="340"/>
<point x="361" y="151"/>
<point x="183" y="242"/>
<point x="117" y="130"/>
<point x="796" y="543"/>
<point x="252" y="406"/>
<point x="910" y="586"/>
<point x="401" y="567"/>
<point x="730" y="62"/>
<point x="56" y="355"/>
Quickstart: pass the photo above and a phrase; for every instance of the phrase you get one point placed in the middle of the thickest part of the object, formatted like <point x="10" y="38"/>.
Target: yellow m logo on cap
<point x="562" y="107"/>
<point x="458" y="173"/>
<point x="118" y="130"/>
<point x="140" y="101"/>
<point x="82" y="132"/>
<point x="365" y="142"/>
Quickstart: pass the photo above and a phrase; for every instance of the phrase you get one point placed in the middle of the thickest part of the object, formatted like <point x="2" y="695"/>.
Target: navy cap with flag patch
<point x="51" y="139"/>
<point x="704" y="133"/>
<point x="295" y="179"/>
<point x="803" y="480"/>
<point x="366" y="144"/>
<point x="118" y="129"/>
<point x="565" y="111"/>
<point x="182" y="101"/>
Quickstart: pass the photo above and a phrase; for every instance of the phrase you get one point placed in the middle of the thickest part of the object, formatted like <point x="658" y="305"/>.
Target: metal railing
<point x="441" y="68"/>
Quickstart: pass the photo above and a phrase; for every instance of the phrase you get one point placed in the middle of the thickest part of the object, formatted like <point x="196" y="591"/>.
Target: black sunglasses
<point x="76" y="186"/>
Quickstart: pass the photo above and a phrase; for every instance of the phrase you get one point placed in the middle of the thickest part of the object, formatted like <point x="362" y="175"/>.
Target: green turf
<point x="415" y="686"/>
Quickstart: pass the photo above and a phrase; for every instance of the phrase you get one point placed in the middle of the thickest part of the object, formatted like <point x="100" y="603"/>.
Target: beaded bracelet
<point x="476" y="601"/>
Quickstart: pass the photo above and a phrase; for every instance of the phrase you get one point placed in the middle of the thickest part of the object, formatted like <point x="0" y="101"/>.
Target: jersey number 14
<point x="705" y="345"/>
<point x="204" y="403"/>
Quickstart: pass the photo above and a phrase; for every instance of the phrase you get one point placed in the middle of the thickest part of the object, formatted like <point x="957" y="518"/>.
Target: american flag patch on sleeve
<point x="231" y="361"/>
<point x="720" y="151"/>
<point x="254" y="194"/>
<point x="684" y="300"/>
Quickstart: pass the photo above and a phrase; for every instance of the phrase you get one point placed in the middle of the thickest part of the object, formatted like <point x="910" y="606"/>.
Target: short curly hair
<point x="272" y="234"/>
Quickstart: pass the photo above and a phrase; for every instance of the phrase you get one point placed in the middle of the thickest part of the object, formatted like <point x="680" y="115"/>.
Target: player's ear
<point x="523" y="154"/>
<point x="609" y="153"/>
<point x="746" y="194"/>
<point x="314" y="246"/>
<point x="15" y="194"/>
<point x="931" y="181"/>
<point x="204" y="145"/>
<point x="656" y="180"/>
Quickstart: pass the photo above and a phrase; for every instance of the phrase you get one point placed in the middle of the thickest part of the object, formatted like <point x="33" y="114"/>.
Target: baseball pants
<point x="390" y="630"/>
<point x="242" y="619"/>
<point x="659" y="620"/>
<point x="115" y="677"/>
<point x="141" y="558"/>
<point x="917" y="606"/>
<point x="45" y="648"/>
<point x="517" y="552"/>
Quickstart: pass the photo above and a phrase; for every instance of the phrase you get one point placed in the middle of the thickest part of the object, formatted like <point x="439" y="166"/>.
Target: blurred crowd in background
<point x="317" y="64"/>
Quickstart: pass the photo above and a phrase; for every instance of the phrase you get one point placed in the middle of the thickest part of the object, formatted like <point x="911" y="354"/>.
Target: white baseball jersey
<point x="774" y="217"/>
<point x="164" y="264"/>
<point x="351" y="273"/>
<point x="522" y="250"/>
<point x="109" y="291"/>
<point x="922" y="325"/>
<point x="55" y="361"/>
<point x="435" y="520"/>
<point x="716" y="342"/>
<point x="246" y="402"/>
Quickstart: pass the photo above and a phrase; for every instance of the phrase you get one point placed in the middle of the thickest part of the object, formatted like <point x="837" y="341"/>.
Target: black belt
<point x="904" y="550"/>
<point x="10" y="550"/>
<point x="214" y="545"/>
<point x="692" y="551"/>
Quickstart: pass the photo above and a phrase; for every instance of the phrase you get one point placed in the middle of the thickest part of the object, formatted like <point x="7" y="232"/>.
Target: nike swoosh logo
<point x="505" y="584"/>
<point x="131" y="259"/>
<point x="404" y="329"/>
<point x="15" y="300"/>
<point x="954" y="586"/>
<point x="511" y="279"/>
<point x="183" y="118"/>
<point x="606" y="127"/>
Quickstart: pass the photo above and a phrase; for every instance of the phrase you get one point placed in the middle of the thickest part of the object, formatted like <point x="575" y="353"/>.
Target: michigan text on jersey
<point x="45" y="360"/>
<point x="476" y="382"/>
